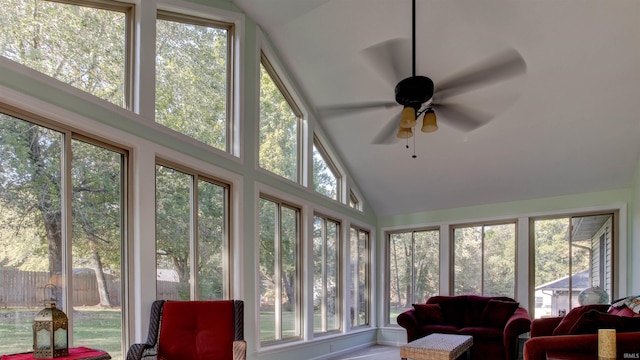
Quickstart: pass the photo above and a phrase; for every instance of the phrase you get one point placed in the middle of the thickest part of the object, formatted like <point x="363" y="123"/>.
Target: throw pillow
<point x="497" y="312"/>
<point x="592" y="320"/>
<point x="429" y="313"/>
<point x="569" y="320"/>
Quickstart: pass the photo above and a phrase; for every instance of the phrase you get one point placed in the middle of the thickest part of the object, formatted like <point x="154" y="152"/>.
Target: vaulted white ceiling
<point x="570" y="125"/>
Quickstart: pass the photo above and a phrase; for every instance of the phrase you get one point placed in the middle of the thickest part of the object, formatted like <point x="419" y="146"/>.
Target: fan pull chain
<point x="414" y="146"/>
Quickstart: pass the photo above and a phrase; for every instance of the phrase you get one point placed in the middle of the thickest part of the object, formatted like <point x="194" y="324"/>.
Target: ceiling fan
<point x="418" y="95"/>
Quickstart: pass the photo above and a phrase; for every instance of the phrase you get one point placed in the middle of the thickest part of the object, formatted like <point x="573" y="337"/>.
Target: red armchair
<point x="194" y="330"/>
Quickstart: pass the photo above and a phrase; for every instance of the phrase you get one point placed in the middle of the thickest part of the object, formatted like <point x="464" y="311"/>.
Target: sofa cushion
<point x="453" y="308"/>
<point x="592" y="320"/>
<point x="429" y="314"/>
<point x="572" y="317"/>
<point x="197" y="330"/>
<point x="482" y="333"/>
<point x="472" y="310"/>
<point x="442" y="329"/>
<point x="497" y="312"/>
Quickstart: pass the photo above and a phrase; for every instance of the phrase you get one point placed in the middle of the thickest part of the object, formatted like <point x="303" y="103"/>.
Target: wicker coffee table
<point x="437" y="347"/>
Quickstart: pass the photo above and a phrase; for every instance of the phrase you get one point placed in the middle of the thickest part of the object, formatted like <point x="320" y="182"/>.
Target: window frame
<point x="194" y="236"/>
<point x="297" y="111"/>
<point x="354" y="201"/>
<point x="69" y="134"/>
<point x="338" y="276"/>
<point x="129" y="73"/>
<point x="367" y="257"/>
<point x="331" y="165"/>
<point x="617" y="250"/>
<point x="387" y="283"/>
<point x="299" y="321"/>
<point x="230" y="27"/>
<point x="482" y="224"/>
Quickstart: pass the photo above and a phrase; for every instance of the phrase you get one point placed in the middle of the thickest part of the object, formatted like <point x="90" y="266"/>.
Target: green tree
<point x="31" y="179"/>
<point x="43" y="35"/>
<point x="485" y="260"/>
<point x="32" y="191"/>
<point x="278" y="151"/>
<point x="173" y="222"/>
<point x="324" y="180"/>
<point x="192" y="71"/>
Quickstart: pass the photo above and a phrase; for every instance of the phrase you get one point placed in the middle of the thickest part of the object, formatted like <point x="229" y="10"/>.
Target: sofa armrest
<point x="409" y="321"/>
<point x="517" y="324"/>
<point x="627" y="344"/>
<point x="537" y="348"/>
<point x="544" y="326"/>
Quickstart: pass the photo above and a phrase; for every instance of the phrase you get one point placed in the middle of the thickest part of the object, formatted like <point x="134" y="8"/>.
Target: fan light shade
<point x="404" y="133"/>
<point x="429" y="123"/>
<point x="408" y="117"/>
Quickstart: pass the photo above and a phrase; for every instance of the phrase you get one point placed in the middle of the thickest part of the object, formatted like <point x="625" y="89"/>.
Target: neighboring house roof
<point x="579" y="281"/>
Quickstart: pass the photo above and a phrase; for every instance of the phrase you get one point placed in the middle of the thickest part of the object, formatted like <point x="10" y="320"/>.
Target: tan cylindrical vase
<point x="606" y="344"/>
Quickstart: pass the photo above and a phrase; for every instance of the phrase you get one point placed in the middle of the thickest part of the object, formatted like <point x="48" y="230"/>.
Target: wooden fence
<point x="25" y="289"/>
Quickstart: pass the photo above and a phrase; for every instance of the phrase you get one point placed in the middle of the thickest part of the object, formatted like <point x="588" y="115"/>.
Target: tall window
<point x="192" y="236"/>
<point x="326" y="265"/>
<point x="413" y="261"/>
<point x="43" y="35"/>
<point x="484" y="259"/>
<point x="193" y="70"/>
<point x="279" y="252"/>
<point x="84" y="261"/>
<point x="326" y="178"/>
<point x="279" y="150"/>
<point x="571" y="254"/>
<point x="359" y="283"/>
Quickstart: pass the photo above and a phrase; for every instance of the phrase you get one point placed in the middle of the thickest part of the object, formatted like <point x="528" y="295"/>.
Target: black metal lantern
<point x="50" y="330"/>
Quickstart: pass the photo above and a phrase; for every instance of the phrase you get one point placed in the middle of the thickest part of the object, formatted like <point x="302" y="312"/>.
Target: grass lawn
<point x="101" y="329"/>
<point x="94" y="328"/>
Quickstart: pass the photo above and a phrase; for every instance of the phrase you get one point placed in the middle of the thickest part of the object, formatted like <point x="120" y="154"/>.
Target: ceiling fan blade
<point x="499" y="67"/>
<point x="390" y="59"/>
<point x="387" y="135"/>
<point x="461" y="117"/>
<point x="346" y="109"/>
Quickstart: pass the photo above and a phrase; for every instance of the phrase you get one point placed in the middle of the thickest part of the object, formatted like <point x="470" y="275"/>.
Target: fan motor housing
<point x="414" y="91"/>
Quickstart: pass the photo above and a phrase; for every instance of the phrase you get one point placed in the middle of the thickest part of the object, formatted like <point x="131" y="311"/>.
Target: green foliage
<point x="324" y="180"/>
<point x="212" y="234"/>
<point x="278" y="151"/>
<point x="192" y="71"/>
<point x="552" y="251"/>
<point x="414" y="267"/>
<point x="484" y="262"/>
<point x="43" y="35"/>
<point x="173" y="222"/>
<point x="278" y="253"/>
<point x="96" y="206"/>
<point x="30" y="195"/>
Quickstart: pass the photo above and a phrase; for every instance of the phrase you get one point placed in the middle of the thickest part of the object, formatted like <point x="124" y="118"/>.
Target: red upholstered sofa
<point x="494" y="322"/>
<point x="574" y="336"/>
